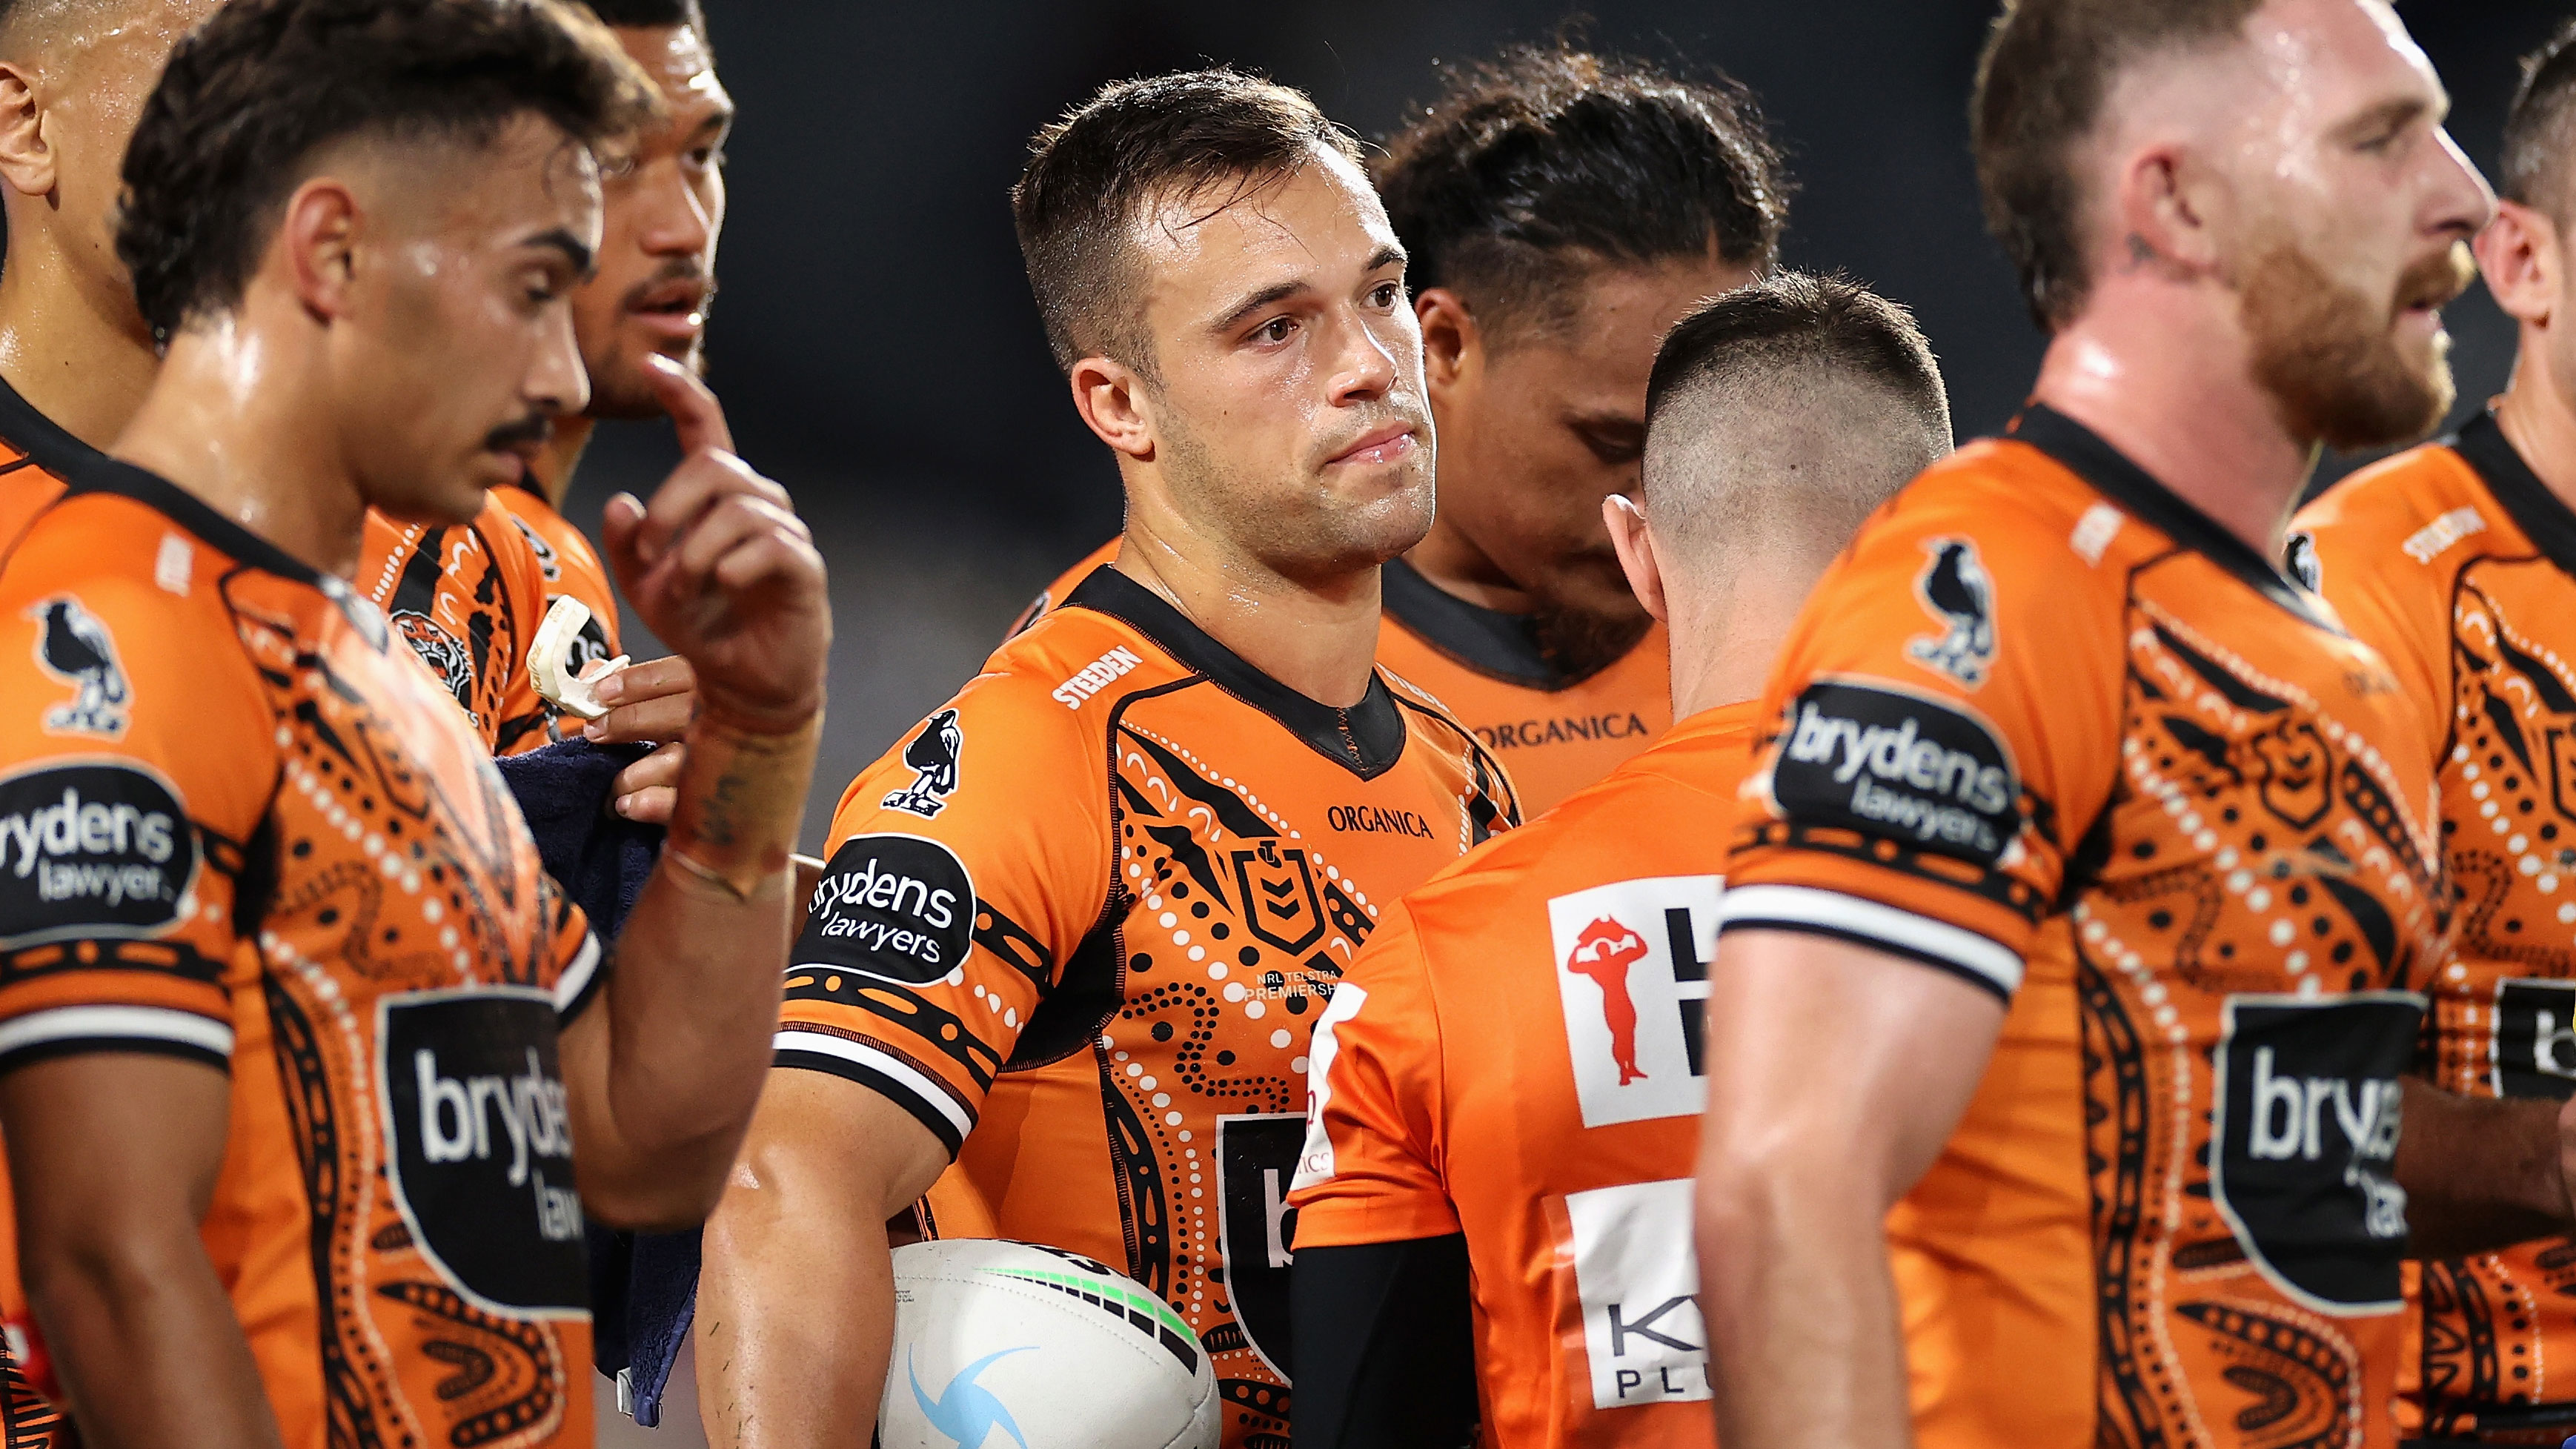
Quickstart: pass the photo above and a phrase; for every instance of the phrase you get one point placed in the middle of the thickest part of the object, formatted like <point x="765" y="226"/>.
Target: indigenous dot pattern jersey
<point x="467" y="599"/>
<point x="1516" y="1056"/>
<point x="2459" y="565"/>
<point x="2041" y="687"/>
<point x="239" y="825"/>
<point x="1082" y="923"/>
<point x="36" y="456"/>
<point x="1554" y="732"/>
<point x="570" y="568"/>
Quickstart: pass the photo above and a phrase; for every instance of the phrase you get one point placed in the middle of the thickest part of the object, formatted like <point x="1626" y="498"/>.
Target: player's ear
<point x="2162" y="209"/>
<point x="1115" y="405"/>
<point x="26" y="154"/>
<point x="317" y="243"/>
<point x="1626" y="520"/>
<point x="1453" y="346"/>
<point x="2519" y="256"/>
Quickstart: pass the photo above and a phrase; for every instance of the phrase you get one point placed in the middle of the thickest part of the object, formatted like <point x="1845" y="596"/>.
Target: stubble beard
<point x="2328" y="356"/>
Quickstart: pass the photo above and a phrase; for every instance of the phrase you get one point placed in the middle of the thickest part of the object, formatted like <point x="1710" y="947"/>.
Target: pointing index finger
<point x="695" y="413"/>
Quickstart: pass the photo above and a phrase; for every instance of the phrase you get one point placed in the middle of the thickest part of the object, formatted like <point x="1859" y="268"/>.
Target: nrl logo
<point x="77" y="649"/>
<point x="932" y="758"/>
<point x="1956" y="590"/>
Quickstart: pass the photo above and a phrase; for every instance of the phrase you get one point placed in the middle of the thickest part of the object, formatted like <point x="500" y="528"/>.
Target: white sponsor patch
<point x="1096" y="676"/>
<point x="1637" y="1273"/>
<point x="1315" y="1162"/>
<point x="2427" y="543"/>
<point x="175" y="566"/>
<point x="1632" y="974"/>
<point x="2094" y="532"/>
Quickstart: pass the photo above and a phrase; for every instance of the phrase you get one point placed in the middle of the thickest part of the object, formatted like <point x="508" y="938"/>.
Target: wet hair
<point x="1210" y="137"/>
<point x="650" y="14"/>
<point x="1788" y="410"/>
<point x="2540" y="129"/>
<point x="256" y="93"/>
<point x="2047" y="69"/>
<point x="1547" y="161"/>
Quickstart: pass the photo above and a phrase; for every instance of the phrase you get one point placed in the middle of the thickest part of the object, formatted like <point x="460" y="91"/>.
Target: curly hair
<point x="1549" y="159"/>
<point x="263" y="86"/>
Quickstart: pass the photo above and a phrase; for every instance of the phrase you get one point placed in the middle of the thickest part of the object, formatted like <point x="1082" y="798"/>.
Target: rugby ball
<point x="1001" y="1345"/>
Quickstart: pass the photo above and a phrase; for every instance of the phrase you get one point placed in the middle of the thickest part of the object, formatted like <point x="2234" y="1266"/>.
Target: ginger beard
<point x="2331" y="357"/>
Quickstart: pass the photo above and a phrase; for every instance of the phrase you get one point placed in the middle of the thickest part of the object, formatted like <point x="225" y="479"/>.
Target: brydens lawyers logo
<point x="932" y="758"/>
<point x="1632" y="975"/>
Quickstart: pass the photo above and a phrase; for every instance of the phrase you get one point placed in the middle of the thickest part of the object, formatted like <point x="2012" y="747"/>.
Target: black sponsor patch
<point x="1256" y="1156"/>
<point x="1900" y="766"/>
<point x="2535" y="1033"/>
<point x="482" y="1146"/>
<point x="91" y="850"/>
<point x="2307" y="1131"/>
<point x="892" y="906"/>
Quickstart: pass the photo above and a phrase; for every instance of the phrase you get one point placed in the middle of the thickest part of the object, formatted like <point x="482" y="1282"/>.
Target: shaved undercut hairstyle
<point x="1547" y="162"/>
<point x="253" y="96"/>
<point x="1787" y="411"/>
<point x="2048" y="67"/>
<point x="1210" y="138"/>
<point x="2540" y="130"/>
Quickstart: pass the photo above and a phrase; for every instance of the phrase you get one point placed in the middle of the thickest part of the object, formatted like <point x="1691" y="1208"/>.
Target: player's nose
<point x="557" y="383"/>
<point x="1366" y="367"/>
<point x="2462" y="203"/>
<point x="678" y="222"/>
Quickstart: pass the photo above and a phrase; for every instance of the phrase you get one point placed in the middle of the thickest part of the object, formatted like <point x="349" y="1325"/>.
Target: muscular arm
<point x="1835" y="1074"/>
<point x="796" y="1299"/>
<point x="113" y="1158"/>
<point x="2482" y="1174"/>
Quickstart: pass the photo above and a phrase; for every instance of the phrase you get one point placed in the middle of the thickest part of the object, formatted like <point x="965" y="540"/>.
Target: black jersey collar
<point x="1488" y="640"/>
<point x="42" y="439"/>
<point x="99" y="473"/>
<point x="2545" y="520"/>
<point x="1365" y="739"/>
<point x="2110" y="473"/>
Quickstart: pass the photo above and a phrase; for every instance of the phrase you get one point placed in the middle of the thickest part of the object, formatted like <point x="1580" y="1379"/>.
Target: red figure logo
<point x="1604" y="952"/>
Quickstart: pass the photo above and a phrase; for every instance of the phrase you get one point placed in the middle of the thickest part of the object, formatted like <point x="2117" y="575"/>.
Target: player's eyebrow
<point x="2389" y="117"/>
<point x="1275" y="293"/>
<point x="571" y="246"/>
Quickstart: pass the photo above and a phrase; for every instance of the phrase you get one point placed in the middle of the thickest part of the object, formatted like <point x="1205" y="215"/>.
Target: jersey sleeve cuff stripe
<point x="65" y="1030"/>
<point x="581" y="980"/>
<point x="924" y="1097"/>
<point x="1980" y="959"/>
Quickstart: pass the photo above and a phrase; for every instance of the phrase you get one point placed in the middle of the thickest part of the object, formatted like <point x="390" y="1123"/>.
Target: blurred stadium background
<point x="877" y="352"/>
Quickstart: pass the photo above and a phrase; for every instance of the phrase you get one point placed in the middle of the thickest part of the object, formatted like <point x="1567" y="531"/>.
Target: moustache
<point x="530" y="431"/>
<point x="2438" y="279"/>
<point x="678" y="269"/>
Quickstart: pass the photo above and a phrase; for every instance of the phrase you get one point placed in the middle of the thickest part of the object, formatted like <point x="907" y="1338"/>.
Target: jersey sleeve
<point x="1943" y="731"/>
<point x="136" y="764"/>
<point x="969" y="869"/>
<point x="1370" y="1171"/>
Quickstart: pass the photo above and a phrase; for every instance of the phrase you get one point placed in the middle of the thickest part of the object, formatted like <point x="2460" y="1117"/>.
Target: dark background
<point x="878" y="353"/>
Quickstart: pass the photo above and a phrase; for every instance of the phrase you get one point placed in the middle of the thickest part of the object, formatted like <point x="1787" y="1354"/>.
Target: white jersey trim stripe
<point x="1856" y="919"/>
<point x="576" y="977"/>
<point x="794" y="1039"/>
<point x="112" y="1023"/>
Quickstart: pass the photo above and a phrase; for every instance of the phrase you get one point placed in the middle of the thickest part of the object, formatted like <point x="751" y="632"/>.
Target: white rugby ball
<point x="1001" y="1345"/>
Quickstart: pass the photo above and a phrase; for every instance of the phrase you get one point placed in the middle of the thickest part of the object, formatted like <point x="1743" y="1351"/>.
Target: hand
<point x="648" y="791"/>
<point x="649" y="703"/>
<point x="721" y="568"/>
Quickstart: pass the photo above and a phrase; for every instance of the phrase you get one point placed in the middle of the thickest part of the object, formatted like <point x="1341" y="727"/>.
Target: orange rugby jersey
<point x="1082" y="922"/>
<point x="1516" y="1055"/>
<point x="2042" y="687"/>
<point x="1555" y="733"/>
<point x="2459" y="565"/>
<point x="238" y="824"/>
<point x="570" y="567"/>
<point x="468" y="599"/>
<point x="36" y="455"/>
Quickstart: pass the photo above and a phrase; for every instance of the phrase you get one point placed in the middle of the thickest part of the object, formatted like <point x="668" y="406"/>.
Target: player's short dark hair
<point x="2540" y="129"/>
<point x="253" y="94"/>
<point x="1795" y="322"/>
<point x="2047" y="68"/>
<point x="650" y="14"/>
<point x="1546" y="160"/>
<point x="1218" y="135"/>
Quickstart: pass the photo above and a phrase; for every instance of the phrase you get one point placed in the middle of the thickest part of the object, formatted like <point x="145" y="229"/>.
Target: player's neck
<point x="72" y="347"/>
<point x="2170" y="386"/>
<point x="2538" y="417"/>
<point x="555" y="463"/>
<point x="1316" y="636"/>
<point x="1457" y="567"/>
<point x="1726" y="639"/>
<point x="231" y="420"/>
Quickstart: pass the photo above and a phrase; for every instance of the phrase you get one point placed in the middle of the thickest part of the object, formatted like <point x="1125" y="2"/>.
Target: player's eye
<point x="1616" y="449"/>
<point x="708" y="158"/>
<point x="1388" y="295"/>
<point x="616" y="168"/>
<point x="1274" y="331"/>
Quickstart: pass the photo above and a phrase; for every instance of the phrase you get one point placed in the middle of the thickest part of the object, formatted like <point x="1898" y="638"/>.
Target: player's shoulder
<point x="1072" y="668"/>
<point x="2413" y="505"/>
<point x="1647" y="808"/>
<point x="2025" y="509"/>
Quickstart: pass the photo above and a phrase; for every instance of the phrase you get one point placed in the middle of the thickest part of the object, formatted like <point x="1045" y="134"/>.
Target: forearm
<point x="795" y="1325"/>
<point x="119" y="1312"/>
<point x="1805" y="1348"/>
<point x="694" y="1000"/>
<point x="2479" y="1173"/>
